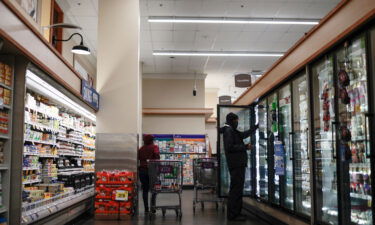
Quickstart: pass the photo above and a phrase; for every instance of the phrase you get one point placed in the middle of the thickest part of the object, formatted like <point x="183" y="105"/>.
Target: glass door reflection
<point x="273" y="129"/>
<point x="261" y="139"/>
<point x="354" y="132"/>
<point x="285" y="136"/>
<point x="301" y="145"/>
<point x="325" y="147"/>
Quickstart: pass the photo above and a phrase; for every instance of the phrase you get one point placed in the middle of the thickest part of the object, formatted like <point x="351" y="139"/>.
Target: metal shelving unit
<point x="6" y="138"/>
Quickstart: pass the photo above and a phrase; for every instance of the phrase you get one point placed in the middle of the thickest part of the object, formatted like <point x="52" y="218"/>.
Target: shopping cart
<point x="205" y="172"/>
<point x="166" y="177"/>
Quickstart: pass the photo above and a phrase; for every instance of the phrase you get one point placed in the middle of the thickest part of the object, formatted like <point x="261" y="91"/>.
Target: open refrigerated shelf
<point x="56" y="135"/>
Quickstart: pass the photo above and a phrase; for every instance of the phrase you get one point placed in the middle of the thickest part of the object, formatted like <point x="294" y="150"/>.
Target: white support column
<point x="119" y="84"/>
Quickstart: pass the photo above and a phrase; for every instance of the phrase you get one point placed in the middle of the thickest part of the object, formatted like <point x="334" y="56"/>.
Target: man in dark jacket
<point x="235" y="152"/>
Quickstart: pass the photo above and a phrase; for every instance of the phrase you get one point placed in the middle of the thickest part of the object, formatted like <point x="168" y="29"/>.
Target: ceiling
<point x="83" y="13"/>
<point x="213" y="37"/>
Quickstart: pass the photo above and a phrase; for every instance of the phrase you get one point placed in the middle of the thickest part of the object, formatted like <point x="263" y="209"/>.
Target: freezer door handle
<point x="367" y="152"/>
<point x="307" y="143"/>
<point x="291" y="145"/>
<point x="334" y="124"/>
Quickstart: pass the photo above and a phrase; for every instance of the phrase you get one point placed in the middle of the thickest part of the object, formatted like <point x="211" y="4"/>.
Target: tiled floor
<point x="208" y="216"/>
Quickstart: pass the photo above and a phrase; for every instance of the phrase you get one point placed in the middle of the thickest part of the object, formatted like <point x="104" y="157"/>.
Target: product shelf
<point x="4" y="167"/>
<point x="48" y="156"/>
<point x="3" y="136"/>
<point x="30" y="168"/>
<point x="32" y="181"/>
<point x="3" y="209"/>
<point x="42" y="127"/>
<point x="33" y="212"/>
<point x="41" y="142"/>
<point x="41" y="112"/>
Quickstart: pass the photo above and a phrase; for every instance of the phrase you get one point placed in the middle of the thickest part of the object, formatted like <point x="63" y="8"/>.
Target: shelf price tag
<point x="122" y="195"/>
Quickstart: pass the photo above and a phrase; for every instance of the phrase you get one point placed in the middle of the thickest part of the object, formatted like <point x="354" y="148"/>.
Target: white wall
<point x="173" y="93"/>
<point x="211" y="101"/>
<point x="118" y="67"/>
<point x="173" y="124"/>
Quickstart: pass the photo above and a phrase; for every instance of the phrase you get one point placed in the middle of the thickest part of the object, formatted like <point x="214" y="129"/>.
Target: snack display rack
<point x="115" y="195"/>
<point x="184" y="148"/>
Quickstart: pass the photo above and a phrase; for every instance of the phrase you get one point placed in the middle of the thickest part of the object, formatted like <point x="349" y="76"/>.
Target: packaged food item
<point x="3" y="221"/>
<point x="8" y="75"/>
<point x="2" y="72"/>
<point x="6" y="97"/>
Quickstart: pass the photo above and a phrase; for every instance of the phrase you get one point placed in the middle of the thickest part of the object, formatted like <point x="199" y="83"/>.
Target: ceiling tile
<point x="228" y="36"/>
<point x="184" y="36"/>
<point x="160" y="8"/>
<point x="161" y="36"/>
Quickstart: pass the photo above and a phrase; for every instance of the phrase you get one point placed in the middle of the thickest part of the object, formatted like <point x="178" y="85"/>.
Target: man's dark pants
<point x="237" y="180"/>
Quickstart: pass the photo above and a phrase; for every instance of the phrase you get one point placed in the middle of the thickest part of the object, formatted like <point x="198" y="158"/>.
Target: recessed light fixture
<point x="218" y="53"/>
<point x="257" y="73"/>
<point x="232" y="20"/>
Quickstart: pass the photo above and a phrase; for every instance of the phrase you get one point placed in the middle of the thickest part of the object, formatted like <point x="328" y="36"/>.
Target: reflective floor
<point x="207" y="216"/>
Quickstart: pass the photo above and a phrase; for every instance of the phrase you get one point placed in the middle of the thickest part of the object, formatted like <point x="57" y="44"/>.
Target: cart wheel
<point x="202" y="204"/>
<point x="217" y="206"/>
<point x="180" y="215"/>
<point x="163" y="211"/>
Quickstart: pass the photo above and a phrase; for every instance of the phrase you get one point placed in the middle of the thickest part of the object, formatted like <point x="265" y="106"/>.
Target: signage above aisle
<point x="225" y="100"/>
<point x="242" y="80"/>
<point x="90" y="95"/>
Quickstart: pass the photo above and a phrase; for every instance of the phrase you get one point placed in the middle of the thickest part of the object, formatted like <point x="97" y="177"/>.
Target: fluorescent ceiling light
<point x="37" y="83"/>
<point x="257" y="73"/>
<point x="218" y="53"/>
<point x="232" y="20"/>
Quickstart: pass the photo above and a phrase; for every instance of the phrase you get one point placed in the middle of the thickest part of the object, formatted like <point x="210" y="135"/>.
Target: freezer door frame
<point x="218" y="146"/>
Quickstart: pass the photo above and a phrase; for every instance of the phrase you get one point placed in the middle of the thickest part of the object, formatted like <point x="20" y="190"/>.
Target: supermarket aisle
<point x="208" y="216"/>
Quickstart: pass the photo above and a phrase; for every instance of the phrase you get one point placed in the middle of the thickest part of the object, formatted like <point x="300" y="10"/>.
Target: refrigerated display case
<point x="261" y="152"/>
<point x="300" y="146"/>
<point x="353" y="128"/>
<point x="243" y="124"/>
<point x="324" y="134"/>
<point x="285" y="135"/>
<point x="59" y="150"/>
<point x="273" y="130"/>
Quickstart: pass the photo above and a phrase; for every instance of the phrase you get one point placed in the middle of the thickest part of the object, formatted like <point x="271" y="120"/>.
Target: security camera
<point x="194" y="92"/>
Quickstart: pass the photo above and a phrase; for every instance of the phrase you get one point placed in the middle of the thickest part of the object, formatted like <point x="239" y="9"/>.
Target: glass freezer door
<point x="324" y="142"/>
<point x="261" y="139"/>
<point x="300" y="146"/>
<point x="354" y="143"/>
<point x="285" y="138"/>
<point x="273" y="130"/>
<point x="243" y="112"/>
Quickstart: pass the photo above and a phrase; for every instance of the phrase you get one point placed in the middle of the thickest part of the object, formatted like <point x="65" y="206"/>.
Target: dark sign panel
<point x="225" y="100"/>
<point x="242" y="80"/>
<point x="90" y="95"/>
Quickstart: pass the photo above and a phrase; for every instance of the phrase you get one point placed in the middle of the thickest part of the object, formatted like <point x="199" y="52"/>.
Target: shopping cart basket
<point x="166" y="176"/>
<point x="205" y="172"/>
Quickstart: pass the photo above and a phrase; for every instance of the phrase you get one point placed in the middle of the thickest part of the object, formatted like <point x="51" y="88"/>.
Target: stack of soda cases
<point x="115" y="195"/>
